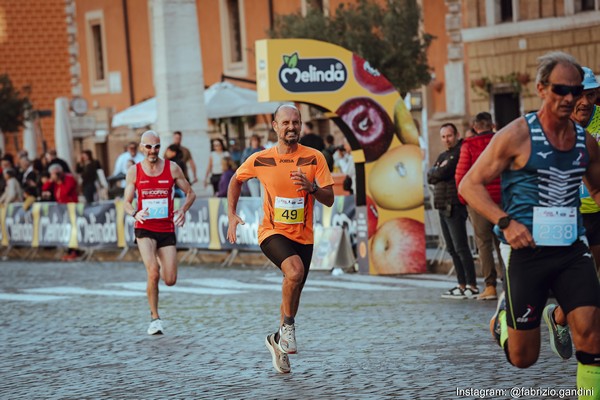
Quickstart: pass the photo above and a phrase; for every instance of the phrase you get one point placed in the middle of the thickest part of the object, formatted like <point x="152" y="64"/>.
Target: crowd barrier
<point x="105" y="225"/>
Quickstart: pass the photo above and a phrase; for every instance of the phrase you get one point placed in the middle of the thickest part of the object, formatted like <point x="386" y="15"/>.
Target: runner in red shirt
<point x="293" y="177"/>
<point x="155" y="220"/>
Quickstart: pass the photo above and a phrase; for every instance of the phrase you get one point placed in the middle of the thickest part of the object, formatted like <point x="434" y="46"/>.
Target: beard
<point x="153" y="158"/>
<point x="292" y="140"/>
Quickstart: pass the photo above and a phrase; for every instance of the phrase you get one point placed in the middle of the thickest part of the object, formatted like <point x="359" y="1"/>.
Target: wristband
<point x="314" y="188"/>
<point x="134" y="213"/>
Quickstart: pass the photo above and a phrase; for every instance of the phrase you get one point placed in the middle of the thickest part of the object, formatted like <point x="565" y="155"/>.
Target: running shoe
<point x="287" y="339"/>
<point x="281" y="362"/>
<point x="560" y="336"/>
<point x="454" y="293"/>
<point x="471" y="293"/>
<point x="495" y="326"/>
<point x="155" y="327"/>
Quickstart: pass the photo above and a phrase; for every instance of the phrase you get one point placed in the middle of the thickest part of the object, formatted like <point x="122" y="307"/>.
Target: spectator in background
<point x="87" y="169"/>
<point x="175" y="154"/>
<point x="453" y="214"/>
<point x="310" y="138"/>
<point x="121" y="164"/>
<point x="46" y="187"/>
<point x="13" y="193"/>
<point x="253" y="184"/>
<point x="6" y="162"/>
<point x="271" y="139"/>
<point x="234" y="151"/>
<point x="329" y="152"/>
<point x="485" y="238"/>
<point x="229" y="166"/>
<point x="65" y="191"/>
<point x="29" y="174"/>
<point x="52" y="158"/>
<point x="187" y="158"/>
<point x="345" y="164"/>
<point x="215" y="166"/>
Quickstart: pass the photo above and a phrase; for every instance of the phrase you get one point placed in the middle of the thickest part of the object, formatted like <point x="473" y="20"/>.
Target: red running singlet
<point x="155" y="193"/>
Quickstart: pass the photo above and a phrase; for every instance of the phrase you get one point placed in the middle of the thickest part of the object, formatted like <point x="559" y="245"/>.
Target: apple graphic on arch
<point x="398" y="247"/>
<point x="370" y="124"/>
<point x="370" y="78"/>
<point x="372" y="216"/>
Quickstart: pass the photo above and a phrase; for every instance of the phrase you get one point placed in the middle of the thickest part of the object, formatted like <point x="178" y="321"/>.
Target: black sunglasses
<point x="563" y="90"/>
<point x="151" y="146"/>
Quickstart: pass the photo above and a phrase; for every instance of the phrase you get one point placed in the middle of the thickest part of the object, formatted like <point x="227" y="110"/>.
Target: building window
<point x="233" y="35"/>
<point x="96" y="52"/>
<point x="99" y="72"/>
<point x="506" y="11"/>
<point x="588" y="5"/>
<point x="320" y="5"/>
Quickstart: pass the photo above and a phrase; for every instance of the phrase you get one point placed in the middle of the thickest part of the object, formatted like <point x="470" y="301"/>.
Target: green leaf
<point x="293" y="60"/>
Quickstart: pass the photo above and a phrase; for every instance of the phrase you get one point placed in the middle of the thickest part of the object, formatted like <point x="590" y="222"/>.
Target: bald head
<point x="150" y="134"/>
<point x="285" y="107"/>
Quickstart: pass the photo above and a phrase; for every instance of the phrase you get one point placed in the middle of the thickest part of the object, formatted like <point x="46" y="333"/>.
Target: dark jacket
<point x="442" y="177"/>
<point x="470" y="151"/>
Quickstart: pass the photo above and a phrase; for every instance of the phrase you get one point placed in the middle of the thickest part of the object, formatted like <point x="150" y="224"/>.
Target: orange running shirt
<point x="286" y="211"/>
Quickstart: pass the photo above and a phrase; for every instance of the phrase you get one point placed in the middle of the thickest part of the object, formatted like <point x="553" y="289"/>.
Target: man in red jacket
<point x="65" y="185"/>
<point x="484" y="230"/>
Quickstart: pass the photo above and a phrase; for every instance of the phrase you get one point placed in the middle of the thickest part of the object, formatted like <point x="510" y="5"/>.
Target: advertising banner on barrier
<point x="3" y="235"/>
<point x="105" y="225"/>
<point x="55" y="225"/>
<point x="96" y="225"/>
<point x="195" y="233"/>
<point x="250" y="210"/>
<point x="19" y="225"/>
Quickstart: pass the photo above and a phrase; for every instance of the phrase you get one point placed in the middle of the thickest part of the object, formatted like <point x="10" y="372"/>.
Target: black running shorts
<point x="531" y="273"/>
<point x="163" y="239"/>
<point x="591" y="222"/>
<point x="278" y="247"/>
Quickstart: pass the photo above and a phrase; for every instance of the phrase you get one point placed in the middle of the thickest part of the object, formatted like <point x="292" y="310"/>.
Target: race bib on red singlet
<point x="156" y="202"/>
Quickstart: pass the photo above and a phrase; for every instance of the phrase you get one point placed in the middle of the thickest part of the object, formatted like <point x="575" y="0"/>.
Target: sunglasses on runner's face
<point x="563" y="90"/>
<point x="151" y="146"/>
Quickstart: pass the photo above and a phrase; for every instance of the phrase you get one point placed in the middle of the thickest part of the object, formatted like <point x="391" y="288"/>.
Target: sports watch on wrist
<point x="504" y="222"/>
<point x="314" y="188"/>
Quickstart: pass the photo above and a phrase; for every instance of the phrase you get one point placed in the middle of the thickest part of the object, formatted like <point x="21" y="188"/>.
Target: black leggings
<point x="278" y="247"/>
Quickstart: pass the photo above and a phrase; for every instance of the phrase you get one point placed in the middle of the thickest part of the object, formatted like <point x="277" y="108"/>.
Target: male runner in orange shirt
<point x="293" y="177"/>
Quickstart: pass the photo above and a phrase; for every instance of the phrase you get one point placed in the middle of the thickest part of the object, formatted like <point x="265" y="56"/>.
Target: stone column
<point x="454" y="70"/>
<point x="179" y="79"/>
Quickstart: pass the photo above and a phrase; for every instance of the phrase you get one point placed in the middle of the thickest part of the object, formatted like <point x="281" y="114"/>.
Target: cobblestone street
<point x="78" y="330"/>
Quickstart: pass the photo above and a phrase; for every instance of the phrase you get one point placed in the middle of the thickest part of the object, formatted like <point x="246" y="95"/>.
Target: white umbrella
<point x="63" y="137"/>
<point x="137" y="116"/>
<point x="222" y="100"/>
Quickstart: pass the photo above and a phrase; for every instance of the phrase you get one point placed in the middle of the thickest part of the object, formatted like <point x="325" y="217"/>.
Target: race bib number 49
<point x="554" y="226"/>
<point x="289" y="210"/>
<point x="157" y="208"/>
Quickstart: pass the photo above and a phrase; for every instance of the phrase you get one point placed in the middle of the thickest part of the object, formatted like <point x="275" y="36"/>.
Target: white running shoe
<point x="155" y="327"/>
<point x="281" y="362"/>
<point x="287" y="339"/>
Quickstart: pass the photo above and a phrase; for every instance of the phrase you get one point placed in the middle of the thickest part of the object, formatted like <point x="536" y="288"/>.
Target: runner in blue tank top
<point x="542" y="159"/>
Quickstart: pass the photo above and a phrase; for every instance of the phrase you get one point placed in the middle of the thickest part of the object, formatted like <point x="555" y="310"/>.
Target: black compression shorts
<point x="569" y="271"/>
<point x="278" y="247"/>
<point x="163" y="239"/>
